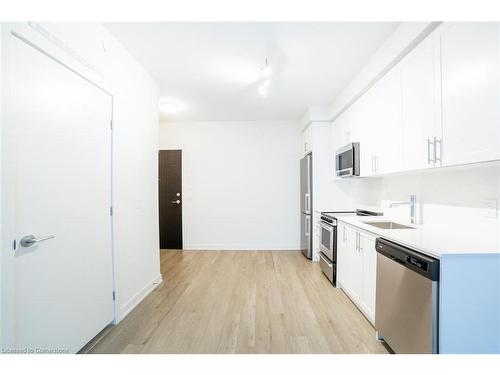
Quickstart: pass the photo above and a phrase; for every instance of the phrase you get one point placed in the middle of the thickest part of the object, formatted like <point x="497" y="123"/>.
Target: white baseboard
<point x="239" y="247"/>
<point x="138" y="297"/>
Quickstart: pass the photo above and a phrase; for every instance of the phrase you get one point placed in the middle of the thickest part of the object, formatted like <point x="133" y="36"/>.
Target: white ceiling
<point x="212" y="69"/>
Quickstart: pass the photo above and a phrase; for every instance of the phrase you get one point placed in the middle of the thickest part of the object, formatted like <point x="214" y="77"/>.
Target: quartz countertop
<point x="436" y="240"/>
<point x="352" y="209"/>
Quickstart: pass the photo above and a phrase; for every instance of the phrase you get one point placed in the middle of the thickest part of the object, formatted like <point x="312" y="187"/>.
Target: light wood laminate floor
<point x="242" y="302"/>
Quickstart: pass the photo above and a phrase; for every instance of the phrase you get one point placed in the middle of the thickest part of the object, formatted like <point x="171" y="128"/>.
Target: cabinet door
<point x="348" y="260"/>
<point x="367" y="132"/>
<point x="339" y="127"/>
<point x="470" y="93"/>
<point x="307" y="140"/>
<point x="369" y="278"/>
<point x="341" y="255"/>
<point x="388" y="125"/>
<point x="420" y="101"/>
<point x="355" y="270"/>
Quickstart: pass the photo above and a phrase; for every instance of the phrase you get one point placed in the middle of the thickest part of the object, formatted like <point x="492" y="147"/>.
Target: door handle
<point x="177" y="201"/>
<point x="30" y="240"/>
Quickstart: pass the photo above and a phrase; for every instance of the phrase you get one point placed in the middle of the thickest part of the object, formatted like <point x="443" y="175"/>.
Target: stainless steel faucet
<point x="413" y="207"/>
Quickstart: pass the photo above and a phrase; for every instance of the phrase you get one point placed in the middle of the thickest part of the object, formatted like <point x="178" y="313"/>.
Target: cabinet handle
<point x="436" y="141"/>
<point x="429" y="143"/>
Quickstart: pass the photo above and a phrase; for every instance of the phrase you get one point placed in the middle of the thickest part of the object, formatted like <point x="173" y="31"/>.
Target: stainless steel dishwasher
<point x="406" y="309"/>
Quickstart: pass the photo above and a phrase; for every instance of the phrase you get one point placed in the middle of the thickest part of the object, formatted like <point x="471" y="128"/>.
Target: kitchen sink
<point x="387" y="225"/>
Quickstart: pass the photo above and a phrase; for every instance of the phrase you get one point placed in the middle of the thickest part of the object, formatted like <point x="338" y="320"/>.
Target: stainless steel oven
<point x="328" y="240"/>
<point x="327" y="246"/>
<point x="347" y="160"/>
<point x="327" y="237"/>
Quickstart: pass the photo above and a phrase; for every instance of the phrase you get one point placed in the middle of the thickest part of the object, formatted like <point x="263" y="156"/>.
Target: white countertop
<point x="437" y="240"/>
<point x="351" y="209"/>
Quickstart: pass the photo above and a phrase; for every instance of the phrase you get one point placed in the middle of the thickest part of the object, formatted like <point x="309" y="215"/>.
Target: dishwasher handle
<point x="411" y="259"/>
<point x="397" y="260"/>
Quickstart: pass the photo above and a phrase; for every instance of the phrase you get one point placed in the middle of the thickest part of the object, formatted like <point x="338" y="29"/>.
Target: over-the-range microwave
<point x="347" y="160"/>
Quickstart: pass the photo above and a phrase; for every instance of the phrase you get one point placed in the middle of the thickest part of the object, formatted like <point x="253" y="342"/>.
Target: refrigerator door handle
<point x="307" y="225"/>
<point x="307" y="198"/>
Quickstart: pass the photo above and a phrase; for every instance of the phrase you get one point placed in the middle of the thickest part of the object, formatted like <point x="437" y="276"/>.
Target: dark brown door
<point x="170" y="196"/>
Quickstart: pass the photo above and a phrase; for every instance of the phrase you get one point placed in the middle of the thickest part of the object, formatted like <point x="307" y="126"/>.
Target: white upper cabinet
<point x="344" y="128"/>
<point x="470" y="92"/>
<point x="439" y="106"/>
<point x="366" y="106"/>
<point x="379" y="126"/>
<point x="387" y="124"/>
<point x="420" y="101"/>
<point x="307" y="139"/>
<point x="339" y="128"/>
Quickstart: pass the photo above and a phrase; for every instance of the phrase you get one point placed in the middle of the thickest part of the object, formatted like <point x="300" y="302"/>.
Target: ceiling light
<point x="169" y="107"/>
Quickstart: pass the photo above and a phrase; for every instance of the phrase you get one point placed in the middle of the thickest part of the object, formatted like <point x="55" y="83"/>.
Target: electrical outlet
<point x="491" y="208"/>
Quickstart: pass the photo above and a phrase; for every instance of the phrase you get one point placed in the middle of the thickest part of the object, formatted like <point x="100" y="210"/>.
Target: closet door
<point x="57" y="176"/>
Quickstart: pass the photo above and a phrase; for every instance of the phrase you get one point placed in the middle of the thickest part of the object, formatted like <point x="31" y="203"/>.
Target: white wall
<point x="240" y="183"/>
<point x="92" y="50"/>
<point x="444" y="195"/>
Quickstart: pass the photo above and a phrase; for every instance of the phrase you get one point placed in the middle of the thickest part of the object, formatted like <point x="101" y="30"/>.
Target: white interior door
<point x="57" y="182"/>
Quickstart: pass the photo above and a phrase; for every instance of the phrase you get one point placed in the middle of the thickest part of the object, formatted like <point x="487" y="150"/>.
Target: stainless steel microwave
<point x="347" y="160"/>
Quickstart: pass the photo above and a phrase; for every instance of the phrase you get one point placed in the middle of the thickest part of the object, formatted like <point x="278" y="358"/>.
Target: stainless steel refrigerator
<point x="306" y="205"/>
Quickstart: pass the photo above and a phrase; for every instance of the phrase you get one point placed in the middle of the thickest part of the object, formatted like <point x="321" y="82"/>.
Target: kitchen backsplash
<point x="445" y="194"/>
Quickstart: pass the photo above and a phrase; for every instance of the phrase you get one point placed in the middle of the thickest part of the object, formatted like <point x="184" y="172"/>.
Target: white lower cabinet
<point x="357" y="267"/>
<point x="369" y="274"/>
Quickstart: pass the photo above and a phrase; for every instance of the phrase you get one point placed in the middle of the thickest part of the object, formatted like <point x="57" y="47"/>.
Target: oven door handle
<point x="327" y="227"/>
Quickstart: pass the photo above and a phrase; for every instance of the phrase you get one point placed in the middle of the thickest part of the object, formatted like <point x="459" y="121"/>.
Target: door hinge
<point x="110" y="210"/>
<point x="114" y="295"/>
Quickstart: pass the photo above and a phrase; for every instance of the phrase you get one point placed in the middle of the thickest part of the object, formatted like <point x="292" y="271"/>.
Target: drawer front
<point x="327" y="267"/>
